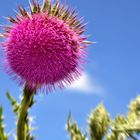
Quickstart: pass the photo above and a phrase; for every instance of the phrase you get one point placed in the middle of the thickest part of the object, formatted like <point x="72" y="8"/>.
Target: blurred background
<point x="111" y="74"/>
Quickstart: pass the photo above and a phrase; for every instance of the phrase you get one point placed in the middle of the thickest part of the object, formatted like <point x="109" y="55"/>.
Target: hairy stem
<point x="26" y="103"/>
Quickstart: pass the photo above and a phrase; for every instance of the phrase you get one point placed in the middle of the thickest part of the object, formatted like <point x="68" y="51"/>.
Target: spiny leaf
<point x="13" y="102"/>
<point x="74" y="130"/>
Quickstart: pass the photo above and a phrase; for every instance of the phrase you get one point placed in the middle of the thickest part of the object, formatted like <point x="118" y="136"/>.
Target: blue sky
<point x="111" y="72"/>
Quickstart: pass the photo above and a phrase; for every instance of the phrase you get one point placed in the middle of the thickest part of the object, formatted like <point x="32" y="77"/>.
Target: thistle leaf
<point x="74" y="131"/>
<point x="13" y="102"/>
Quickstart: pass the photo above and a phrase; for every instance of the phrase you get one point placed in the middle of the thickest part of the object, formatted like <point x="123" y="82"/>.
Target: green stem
<point x="26" y="103"/>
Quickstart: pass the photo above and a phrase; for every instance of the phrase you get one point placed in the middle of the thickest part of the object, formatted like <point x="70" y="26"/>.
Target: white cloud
<point x="87" y="85"/>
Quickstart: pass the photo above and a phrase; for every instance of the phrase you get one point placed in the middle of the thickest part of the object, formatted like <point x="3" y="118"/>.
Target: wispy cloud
<point x="87" y="85"/>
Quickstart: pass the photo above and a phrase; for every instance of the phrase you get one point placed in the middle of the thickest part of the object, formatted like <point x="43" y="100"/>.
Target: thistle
<point x="46" y="46"/>
<point x="44" y="49"/>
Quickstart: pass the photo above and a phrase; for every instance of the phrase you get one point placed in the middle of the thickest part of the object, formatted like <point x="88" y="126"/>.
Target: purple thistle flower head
<point x="45" y="48"/>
